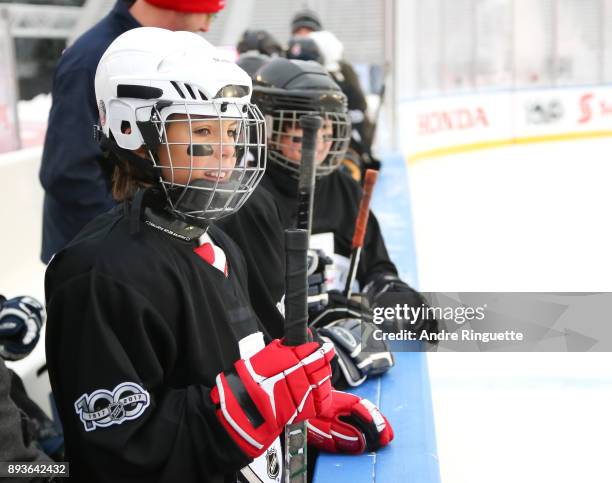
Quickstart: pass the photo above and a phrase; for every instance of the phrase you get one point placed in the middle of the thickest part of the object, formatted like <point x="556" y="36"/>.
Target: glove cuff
<point x="352" y="374"/>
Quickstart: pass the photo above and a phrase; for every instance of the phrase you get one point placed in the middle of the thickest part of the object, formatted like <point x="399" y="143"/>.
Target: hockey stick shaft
<point x="296" y="323"/>
<point x="310" y="127"/>
<point x="361" y="224"/>
<point x="296" y="288"/>
<point x="295" y="333"/>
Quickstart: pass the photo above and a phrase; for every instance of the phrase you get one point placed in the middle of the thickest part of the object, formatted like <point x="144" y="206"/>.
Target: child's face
<point x="290" y="143"/>
<point x="213" y="161"/>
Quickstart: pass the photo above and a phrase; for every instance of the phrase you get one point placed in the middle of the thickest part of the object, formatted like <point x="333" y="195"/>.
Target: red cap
<point x="190" y="6"/>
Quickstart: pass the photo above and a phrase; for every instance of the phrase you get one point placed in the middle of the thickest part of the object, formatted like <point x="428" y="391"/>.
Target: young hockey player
<point x="285" y="90"/>
<point x="156" y="359"/>
<point x="76" y="182"/>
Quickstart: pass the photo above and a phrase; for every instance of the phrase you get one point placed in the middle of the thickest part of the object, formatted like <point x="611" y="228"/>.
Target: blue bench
<point x="403" y="394"/>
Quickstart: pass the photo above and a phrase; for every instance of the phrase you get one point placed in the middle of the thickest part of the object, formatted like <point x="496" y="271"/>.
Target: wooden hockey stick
<point x="296" y="288"/>
<point x="361" y="225"/>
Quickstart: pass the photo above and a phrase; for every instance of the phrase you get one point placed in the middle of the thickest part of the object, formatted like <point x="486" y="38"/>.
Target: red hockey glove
<point x="276" y="386"/>
<point x="350" y="425"/>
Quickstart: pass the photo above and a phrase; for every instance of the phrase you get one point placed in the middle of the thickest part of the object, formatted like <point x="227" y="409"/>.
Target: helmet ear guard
<point x="119" y="114"/>
<point x="145" y="169"/>
<point x="151" y="131"/>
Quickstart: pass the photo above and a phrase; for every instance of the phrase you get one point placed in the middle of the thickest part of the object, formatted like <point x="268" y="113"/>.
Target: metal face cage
<point x="211" y="155"/>
<point x="285" y="140"/>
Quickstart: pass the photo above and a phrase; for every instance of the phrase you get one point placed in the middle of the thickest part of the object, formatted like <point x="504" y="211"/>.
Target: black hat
<point x="308" y="19"/>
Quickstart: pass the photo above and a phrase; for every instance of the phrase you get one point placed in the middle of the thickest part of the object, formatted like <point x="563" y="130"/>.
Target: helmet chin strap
<point x="173" y="226"/>
<point x="201" y="196"/>
<point x="155" y="213"/>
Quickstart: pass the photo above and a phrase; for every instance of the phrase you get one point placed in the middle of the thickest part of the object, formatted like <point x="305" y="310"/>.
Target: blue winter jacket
<point x="76" y="188"/>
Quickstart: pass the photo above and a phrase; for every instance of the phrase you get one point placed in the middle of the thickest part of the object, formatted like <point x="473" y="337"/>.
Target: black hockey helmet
<point x="285" y="90"/>
<point x="259" y="41"/>
<point x="251" y="62"/>
<point x="304" y="48"/>
<point x="306" y="19"/>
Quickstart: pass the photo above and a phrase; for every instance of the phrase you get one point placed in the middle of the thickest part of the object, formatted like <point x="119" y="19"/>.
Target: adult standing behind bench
<point x="77" y="186"/>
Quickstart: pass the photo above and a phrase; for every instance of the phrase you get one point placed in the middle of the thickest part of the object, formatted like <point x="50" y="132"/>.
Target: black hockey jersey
<point x="336" y="205"/>
<point x="138" y="328"/>
<point x="257" y="230"/>
<point x="258" y="226"/>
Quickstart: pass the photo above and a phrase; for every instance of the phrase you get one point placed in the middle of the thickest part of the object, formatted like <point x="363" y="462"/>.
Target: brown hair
<point x="124" y="183"/>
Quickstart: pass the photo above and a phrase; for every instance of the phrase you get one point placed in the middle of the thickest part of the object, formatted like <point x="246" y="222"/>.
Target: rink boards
<point x="403" y="394"/>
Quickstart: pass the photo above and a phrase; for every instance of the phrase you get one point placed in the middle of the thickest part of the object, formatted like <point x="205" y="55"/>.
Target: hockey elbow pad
<point x="351" y="425"/>
<point x="276" y="386"/>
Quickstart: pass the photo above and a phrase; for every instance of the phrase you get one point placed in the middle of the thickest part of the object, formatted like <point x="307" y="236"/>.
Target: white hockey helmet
<point x="330" y="47"/>
<point x="148" y="74"/>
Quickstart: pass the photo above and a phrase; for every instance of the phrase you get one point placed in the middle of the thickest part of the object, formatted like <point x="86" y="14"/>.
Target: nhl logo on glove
<point x="272" y="463"/>
<point x="104" y="408"/>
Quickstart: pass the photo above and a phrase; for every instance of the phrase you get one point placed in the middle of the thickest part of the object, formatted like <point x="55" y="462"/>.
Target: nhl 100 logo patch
<point x="103" y="408"/>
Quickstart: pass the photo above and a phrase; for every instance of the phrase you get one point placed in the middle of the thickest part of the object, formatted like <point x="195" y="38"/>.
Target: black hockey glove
<point x="388" y="290"/>
<point x="370" y="162"/>
<point x="317" y="288"/>
<point x="21" y="319"/>
<point x="348" y="325"/>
